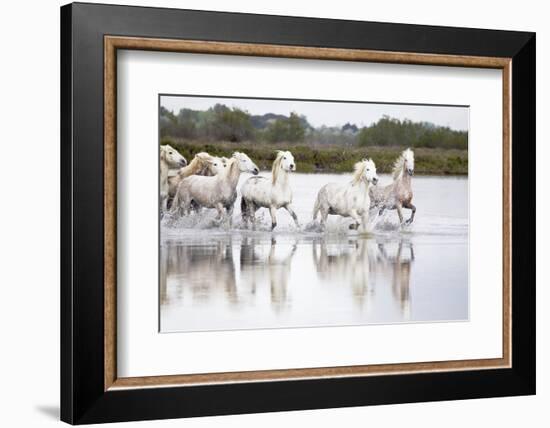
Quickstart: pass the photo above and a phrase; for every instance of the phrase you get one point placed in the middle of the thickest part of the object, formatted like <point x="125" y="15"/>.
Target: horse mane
<point x="358" y="170"/>
<point x="276" y="166"/>
<point x="196" y="165"/>
<point x="231" y="163"/>
<point x="163" y="150"/>
<point x="399" y="162"/>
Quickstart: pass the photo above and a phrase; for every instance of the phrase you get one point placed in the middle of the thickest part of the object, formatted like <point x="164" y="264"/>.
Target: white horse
<point x="349" y="200"/>
<point x="169" y="159"/>
<point x="260" y="192"/>
<point x="218" y="191"/>
<point x="202" y="164"/>
<point x="397" y="195"/>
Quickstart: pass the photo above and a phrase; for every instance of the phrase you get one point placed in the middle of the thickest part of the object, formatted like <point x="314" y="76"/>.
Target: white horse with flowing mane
<point x="169" y="159"/>
<point x="399" y="194"/>
<point x="202" y="164"/>
<point x="348" y="200"/>
<point x="218" y="191"/>
<point x="258" y="192"/>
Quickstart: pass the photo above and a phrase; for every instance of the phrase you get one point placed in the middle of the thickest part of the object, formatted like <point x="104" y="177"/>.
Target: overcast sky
<point x="330" y="113"/>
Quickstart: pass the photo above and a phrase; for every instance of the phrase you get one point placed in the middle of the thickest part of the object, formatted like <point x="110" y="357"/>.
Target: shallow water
<point x="217" y="277"/>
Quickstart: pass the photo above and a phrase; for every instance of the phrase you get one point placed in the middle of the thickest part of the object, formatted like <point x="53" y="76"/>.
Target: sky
<point x="327" y="113"/>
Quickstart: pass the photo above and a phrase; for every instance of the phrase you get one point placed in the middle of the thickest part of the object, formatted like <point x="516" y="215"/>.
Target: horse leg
<point x="293" y="214"/>
<point x="273" y="212"/>
<point x="324" y="216"/>
<point x="251" y="214"/>
<point x="182" y="206"/>
<point x="221" y="211"/>
<point x="413" y="212"/>
<point x="175" y="205"/>
<point x="399" y="209"/>
<point x="365" y="220"/>
<point x="355" y="215"/>
<point x="161" y="207"/>
<point x="245" y="211"/>
<point x="229" y="213"/>
<point x="163" y="202"/>
<point x="253" y="209"/>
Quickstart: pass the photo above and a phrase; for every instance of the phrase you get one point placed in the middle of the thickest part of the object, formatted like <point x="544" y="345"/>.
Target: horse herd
<point x="211" y="182"/>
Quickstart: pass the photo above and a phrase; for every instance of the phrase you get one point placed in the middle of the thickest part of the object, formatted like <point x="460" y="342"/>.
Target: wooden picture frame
<point x="91" y="390"/>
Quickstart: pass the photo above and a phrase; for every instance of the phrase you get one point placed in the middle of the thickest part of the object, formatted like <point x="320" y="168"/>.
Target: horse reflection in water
<point x="252" y="282"/>
<point x="368" y="266"/>
<point x="189" y="269"/>
<point x="345" y="264"/>
<point x="272" y="267"/>
<point x="204" y="272"/>
<point x="396" y="266"/>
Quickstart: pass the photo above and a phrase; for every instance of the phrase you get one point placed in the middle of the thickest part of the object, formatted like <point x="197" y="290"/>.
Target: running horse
<point x="258" y="192"/>
<point x="398" y="194"/>
<point x="348" y="200"/>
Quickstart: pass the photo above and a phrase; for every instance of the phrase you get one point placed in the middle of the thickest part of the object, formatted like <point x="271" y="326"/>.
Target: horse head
<point x="408" y="161"/>
<point x="245" y="164"/>
<point x="404" y="164"/>
<point x="366" y="171"/>
<point x="171" y="157"/>
<point x="285" y="160"/>
<point x="216" y="165"/>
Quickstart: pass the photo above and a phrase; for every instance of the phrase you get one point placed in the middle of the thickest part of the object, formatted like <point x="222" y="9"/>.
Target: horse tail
<point x="316" y="207"/>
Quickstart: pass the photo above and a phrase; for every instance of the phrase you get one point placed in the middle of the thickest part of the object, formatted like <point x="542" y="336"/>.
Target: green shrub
<point x="329" y="158"/>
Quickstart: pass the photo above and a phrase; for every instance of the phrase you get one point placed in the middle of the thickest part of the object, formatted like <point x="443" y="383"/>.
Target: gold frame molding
<point x="113" y="43"/>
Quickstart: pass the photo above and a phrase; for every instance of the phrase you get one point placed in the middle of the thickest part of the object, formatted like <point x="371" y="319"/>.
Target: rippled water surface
<point x="223" y="278"/>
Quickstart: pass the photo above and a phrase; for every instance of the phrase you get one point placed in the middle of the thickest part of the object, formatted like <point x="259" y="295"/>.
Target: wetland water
<point x="221" y="278"/>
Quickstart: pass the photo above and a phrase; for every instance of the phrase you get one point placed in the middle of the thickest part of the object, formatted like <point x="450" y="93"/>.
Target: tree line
<point x="222" y="123"/>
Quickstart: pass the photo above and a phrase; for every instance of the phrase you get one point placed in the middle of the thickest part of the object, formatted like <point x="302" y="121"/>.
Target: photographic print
<point x="286" y="213"/>
<point x="329" y="221"/>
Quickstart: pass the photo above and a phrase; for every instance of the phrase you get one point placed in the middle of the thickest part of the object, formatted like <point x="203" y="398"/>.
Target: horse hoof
<point x="273" y="226"/>
<point x="353" y="226"/>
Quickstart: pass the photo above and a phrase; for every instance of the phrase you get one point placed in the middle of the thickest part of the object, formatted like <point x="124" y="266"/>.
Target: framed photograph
<point x="266" y="213"/>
